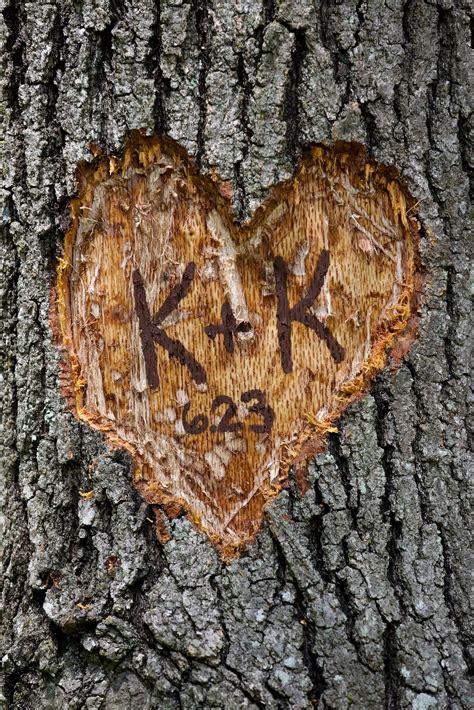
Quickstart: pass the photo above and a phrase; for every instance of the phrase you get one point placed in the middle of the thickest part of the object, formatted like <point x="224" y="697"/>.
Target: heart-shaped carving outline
<point x="401" y="326"/>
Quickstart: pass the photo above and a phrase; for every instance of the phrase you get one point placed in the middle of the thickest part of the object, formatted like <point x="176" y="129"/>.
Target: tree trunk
<point x="355" y="593"/>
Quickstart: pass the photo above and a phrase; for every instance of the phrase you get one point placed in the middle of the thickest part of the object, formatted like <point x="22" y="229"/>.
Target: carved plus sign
<point x="228" y="327"/>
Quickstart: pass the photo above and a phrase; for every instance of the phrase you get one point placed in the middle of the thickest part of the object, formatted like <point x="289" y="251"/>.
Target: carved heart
<point x="220" y="355"/>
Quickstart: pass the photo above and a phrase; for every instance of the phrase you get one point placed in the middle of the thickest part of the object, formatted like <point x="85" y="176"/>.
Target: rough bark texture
<point x="356" y="593"/>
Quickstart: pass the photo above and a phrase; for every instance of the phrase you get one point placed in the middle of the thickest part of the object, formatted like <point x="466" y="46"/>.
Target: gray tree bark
<point x="356" y="593"/>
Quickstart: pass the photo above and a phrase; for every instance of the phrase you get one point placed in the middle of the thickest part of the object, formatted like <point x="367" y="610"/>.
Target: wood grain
<point x="286" y="319"/>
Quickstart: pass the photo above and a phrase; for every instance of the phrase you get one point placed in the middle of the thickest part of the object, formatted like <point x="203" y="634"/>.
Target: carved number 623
<point x="200" y="423"/>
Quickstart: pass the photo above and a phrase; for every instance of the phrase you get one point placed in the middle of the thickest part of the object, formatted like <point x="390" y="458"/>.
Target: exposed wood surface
<point x="264" y="380"/>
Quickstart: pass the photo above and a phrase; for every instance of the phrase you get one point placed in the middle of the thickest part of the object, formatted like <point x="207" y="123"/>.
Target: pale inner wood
<point x="151" y="213"/>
